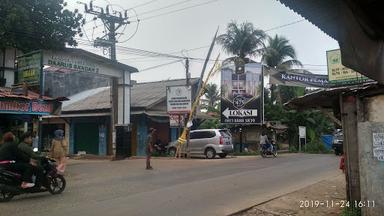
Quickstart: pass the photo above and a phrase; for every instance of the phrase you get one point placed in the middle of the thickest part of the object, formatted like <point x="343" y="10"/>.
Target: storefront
<point x="20" y="113"/>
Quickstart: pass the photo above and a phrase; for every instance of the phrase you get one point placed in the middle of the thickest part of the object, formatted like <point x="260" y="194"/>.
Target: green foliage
<point x="279" y="53"/>
<point x="287" y="93"/>
<point x="242" y="40"/>
<point x="293" y="149"/>
<point x="210" y="124"/>
<point x="351" y="211"/>
<point x="212" y="95"/>
<point x="37" y="24"/>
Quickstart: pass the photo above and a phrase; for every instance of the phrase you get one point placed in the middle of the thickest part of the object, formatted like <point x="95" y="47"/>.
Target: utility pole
<point x="113" y="20"/>
<point x="187" y="75"/>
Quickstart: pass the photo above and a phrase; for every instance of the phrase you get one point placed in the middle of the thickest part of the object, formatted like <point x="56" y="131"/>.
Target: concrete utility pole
<point x="120" y="134"/>
<point x="113" y="20"/>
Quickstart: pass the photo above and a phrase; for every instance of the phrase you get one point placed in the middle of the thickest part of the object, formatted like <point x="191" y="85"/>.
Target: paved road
<point x="175" y="187"/>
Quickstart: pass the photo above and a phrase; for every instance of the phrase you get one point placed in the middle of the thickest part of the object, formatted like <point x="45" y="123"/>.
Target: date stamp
<point x="336" y="204"/>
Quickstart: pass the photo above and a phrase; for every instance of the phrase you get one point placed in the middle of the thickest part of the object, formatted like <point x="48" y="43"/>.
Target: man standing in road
<point x="149" y="147"/>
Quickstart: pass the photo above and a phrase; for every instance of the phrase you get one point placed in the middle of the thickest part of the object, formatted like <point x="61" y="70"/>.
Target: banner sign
<point x="290" y="78"/>
<point x="176" y="121"/>
<point x="242" y="95"/>
<point x="29" y="67"/>
<point x="72" y="64"/>
<point x="179" y="99"/>
<point x="339" y="74"/>
<point x="26" y="107"/>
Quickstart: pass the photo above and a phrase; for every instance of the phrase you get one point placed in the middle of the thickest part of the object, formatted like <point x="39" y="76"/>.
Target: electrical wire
<point x="143" y="4"/>
<point x="137" y="28"/>
<point x="160" y="65"/>
<point x="177" y="10"/>
<point x="165" y="7"/>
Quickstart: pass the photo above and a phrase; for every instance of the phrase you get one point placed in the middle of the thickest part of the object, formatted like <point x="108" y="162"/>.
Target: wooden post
<point x="348" y="105"/>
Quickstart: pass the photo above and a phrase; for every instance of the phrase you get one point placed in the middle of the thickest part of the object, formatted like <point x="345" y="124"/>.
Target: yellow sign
<point x="337" y="72"/>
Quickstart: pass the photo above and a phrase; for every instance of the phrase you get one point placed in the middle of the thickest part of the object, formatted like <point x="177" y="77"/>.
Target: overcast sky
<point x="166" y="31"/>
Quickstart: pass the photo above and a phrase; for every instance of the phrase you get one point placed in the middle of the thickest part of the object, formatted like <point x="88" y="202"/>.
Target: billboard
<point x="179" y="99"/>
<point x="29" y="67"/>
<point x="242" y="95"/>
<point x="338" y="74"/>
<point x="293" y="78"/>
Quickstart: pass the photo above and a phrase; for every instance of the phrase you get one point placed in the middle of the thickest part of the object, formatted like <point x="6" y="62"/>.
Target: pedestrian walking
<point x="59" y="150"/>
<point x="149" y="147"/>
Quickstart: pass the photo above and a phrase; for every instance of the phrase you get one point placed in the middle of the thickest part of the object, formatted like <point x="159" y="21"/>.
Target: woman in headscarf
<point x="59" y="150"/>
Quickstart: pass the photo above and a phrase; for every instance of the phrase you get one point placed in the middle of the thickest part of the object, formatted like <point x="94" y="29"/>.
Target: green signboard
<point x="338" y="74"/>
<point x="29" y="67"/>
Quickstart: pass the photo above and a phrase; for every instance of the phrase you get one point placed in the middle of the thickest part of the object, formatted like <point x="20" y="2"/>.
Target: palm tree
<point x="242" y="40"/>
<point x="281" y="55"/>
<point x="212" y="96"/>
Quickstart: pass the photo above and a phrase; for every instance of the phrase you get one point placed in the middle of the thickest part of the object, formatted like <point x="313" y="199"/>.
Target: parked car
<point x="337" y="144"/>
<point x="207" y="142"/>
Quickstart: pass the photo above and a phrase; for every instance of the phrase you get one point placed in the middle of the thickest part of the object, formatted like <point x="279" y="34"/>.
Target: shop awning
<point x="29" y="103"/>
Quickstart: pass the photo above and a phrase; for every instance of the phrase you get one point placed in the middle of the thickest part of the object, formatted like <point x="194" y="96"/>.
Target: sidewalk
<point x="293" y="203"/>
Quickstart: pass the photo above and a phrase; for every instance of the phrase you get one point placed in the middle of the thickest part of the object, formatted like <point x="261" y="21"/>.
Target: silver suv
<point x="207" y="142"/>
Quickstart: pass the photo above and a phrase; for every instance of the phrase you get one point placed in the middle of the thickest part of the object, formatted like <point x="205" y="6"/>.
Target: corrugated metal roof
<point x="143" y="95"/>
<point x="322" y="13"/>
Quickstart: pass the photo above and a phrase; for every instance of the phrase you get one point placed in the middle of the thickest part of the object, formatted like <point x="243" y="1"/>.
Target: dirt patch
<point x="322" y="198"/>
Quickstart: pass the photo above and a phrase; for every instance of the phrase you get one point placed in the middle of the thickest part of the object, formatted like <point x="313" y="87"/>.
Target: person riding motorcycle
<point x="22" y="164"/>
<point x="264" y="142"/>
<point x="26" y="147"/>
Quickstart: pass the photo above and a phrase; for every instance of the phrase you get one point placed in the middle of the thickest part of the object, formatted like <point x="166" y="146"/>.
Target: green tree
<point x="281" y="55"/>
<point x="37" y="24"/>
<point x="242" y="40"/>
<point x="212" y="96"/>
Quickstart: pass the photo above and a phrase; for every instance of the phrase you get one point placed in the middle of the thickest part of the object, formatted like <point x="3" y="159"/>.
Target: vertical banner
<point x="242" y="95"/>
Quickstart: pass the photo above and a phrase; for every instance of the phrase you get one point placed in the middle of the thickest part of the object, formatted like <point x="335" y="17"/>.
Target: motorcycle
<point x="10" y="181"/>
<point x="266" y="150"/>
<point x="160" y="148"/>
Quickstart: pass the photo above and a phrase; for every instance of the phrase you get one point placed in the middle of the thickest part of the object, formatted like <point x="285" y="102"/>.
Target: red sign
<point x="15" y="106"/>
<point x="41" y="107"/>
<point x="26" y="107"/>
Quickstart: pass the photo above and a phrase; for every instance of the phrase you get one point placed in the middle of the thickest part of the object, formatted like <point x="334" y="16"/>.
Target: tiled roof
<point x="6" y="93"/>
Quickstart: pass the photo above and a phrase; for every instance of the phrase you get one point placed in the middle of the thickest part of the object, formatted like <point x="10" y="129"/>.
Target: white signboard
<point x="302" y="132"/>
<point x="179" y="99"/>
<point x="378" y="146"/>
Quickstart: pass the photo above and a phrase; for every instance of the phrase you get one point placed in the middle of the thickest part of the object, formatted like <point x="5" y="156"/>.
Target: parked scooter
<point x="160" y="148"/>
<point x="10" y="181"/>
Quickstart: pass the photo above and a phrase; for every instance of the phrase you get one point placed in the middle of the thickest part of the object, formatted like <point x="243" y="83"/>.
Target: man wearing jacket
<point x="9" y="151"/>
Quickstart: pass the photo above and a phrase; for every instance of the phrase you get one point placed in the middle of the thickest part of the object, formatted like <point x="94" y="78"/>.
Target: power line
<point x="177" y="10"/>
<point x="160" y="65"/>
<point x="165" y="7"/>
<point x="285" y="25"/>
<point x="143" y="4"/>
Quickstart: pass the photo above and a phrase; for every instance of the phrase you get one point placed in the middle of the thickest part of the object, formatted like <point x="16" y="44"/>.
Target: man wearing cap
<point x="149" y="147"/>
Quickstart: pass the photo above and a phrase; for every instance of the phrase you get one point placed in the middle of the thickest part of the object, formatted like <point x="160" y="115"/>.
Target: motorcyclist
<point x="23" y="164"/>
<point x="26" y="146"/>
<point x="264" y="143"/>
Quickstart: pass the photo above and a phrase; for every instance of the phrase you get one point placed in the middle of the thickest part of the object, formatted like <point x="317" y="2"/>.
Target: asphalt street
<point x="175" y="187"/>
